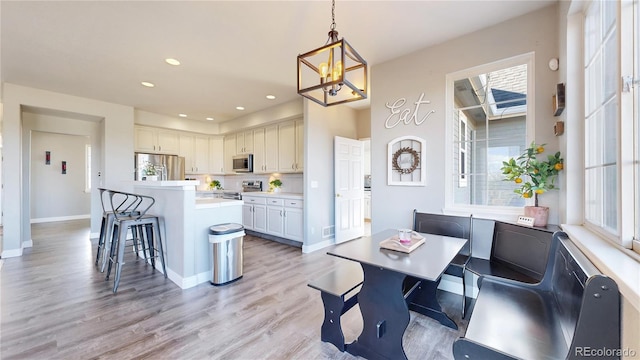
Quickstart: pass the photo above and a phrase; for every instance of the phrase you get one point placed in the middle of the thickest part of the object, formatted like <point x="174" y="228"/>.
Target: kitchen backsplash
<point x="291" y="183"/>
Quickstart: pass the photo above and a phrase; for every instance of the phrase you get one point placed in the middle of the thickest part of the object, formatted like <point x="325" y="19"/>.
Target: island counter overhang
<point x="186" y="221"/>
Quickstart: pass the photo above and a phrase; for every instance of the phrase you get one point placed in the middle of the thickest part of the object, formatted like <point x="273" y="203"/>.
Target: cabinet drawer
<point x="293" y="203"/>
<point x="254" y="200"/>
<point x="275" y="202"/>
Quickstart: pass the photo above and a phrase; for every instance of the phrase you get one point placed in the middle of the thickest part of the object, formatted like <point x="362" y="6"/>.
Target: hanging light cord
<point x="333" y="14"/>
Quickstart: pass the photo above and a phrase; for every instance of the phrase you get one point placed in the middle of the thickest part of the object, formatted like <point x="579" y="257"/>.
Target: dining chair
<point x="448" y="225"/>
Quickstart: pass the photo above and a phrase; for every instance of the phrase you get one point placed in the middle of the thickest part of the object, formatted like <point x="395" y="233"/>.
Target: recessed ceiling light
<point x="271" y="97"/>
<point x="182" y="115"/>
<point x="210" y="118"/>
<point x="147" y="84"/>
<point x="239" y="108"/>
<point x="171" y="61"/>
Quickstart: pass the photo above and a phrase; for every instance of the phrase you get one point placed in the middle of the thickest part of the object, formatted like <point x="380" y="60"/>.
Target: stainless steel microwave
<point x="243" y="163"/>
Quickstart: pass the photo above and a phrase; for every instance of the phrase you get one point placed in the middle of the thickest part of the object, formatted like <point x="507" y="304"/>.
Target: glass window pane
<point x="610" y="133"/>
<point x="610" y="67"/>
<point x="610" y="194"/>
<point x="609" y="9"/>
<point x="593" y="188"/>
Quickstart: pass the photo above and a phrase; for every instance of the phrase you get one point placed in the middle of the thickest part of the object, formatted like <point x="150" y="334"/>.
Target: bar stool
<point x="125" y="205"/>
<point x="139" y="221"/>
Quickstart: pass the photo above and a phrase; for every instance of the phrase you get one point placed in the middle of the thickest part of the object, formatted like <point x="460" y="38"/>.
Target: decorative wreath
<point x="414" y="165"/>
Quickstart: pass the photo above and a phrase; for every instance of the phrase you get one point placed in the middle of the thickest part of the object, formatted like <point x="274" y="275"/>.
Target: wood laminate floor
<point x="55" y="304"/>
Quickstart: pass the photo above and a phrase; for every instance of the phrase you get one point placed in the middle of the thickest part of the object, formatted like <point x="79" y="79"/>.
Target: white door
<point x="349" y="188"/>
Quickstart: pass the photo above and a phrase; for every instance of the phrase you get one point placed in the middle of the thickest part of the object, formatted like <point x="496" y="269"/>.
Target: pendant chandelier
<point x="334" y="73"/>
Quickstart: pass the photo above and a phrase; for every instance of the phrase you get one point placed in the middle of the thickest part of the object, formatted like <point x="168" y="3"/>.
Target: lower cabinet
<point x="280" y="217"/>
<point x="254" y="214"/>
<point x="367" y="205"/>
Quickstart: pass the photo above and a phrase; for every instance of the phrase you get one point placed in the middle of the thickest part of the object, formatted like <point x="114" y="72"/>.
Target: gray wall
<point x="115" y="129"/>
<point x="321" y="126"/>
<point x="54" y="194"/>
<point x="425" y="72"/>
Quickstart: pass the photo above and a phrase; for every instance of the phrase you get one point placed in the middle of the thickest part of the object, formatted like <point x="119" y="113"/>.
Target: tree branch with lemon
<point x="539" y="176"/>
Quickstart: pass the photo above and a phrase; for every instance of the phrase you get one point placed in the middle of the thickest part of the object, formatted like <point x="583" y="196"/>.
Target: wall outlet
<point x="525" y="220"/>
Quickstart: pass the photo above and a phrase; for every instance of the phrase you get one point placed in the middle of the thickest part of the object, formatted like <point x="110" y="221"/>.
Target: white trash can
<point x="226" y="250"/>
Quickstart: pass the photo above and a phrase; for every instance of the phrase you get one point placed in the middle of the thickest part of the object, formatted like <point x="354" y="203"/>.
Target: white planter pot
<point x="152" y="178"/>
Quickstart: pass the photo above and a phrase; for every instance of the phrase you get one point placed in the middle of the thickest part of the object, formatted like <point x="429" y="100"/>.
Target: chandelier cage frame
<point x="343" y="66"/>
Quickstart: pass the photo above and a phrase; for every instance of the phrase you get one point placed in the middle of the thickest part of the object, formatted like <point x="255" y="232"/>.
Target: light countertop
<point x="170" y="183"/>
<point x="207" y="203"/>
<point x="283" y="195"/>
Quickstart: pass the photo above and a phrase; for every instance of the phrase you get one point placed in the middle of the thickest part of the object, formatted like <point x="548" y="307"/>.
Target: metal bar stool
<point x="141" y="220"/>
<point x="126" y="205"/>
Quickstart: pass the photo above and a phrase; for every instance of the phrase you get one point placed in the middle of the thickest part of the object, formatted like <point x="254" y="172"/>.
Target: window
<point x="611" y="173"/>
<point x="489" y="110"/>
<point x="87" y="174"/>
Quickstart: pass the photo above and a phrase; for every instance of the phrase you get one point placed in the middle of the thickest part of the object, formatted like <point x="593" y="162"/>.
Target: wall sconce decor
<point x="64" y="167"/>
<point x="47" y="157"/>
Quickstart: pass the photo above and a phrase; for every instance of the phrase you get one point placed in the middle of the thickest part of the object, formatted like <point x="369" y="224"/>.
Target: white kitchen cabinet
<point x="195" y="149"/>
<point x="260" y="218"/>
<point x="367" y="204"/>
<point x="293" y="220"/>
<point x="290" y="146"/>
<point x="154" y="140"/>
<point x="275" y="217"/>
<point x="299" y="124"/>
<point x="265" y="151"/>
<point x="271" y="148"/>
<point x="229" y="153"/>
<point x="254" y="214"/>
<point x="247" y="216"/>
<point x="286" y="146"/>
<point x="216" y="155"/>
<point x="259" y="158"/>
<point x="244" y="142"/>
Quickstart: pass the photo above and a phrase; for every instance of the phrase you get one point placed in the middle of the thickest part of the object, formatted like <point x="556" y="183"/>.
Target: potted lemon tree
<point x="533" y="177"/>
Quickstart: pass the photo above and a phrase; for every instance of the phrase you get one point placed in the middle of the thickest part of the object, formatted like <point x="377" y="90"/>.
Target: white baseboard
<point x="27" y="244"/>
<point x="11" y="253"/>
<point x="317" y="246"/>
<point x="60" y="218"/>
<point x="188" y="282"/>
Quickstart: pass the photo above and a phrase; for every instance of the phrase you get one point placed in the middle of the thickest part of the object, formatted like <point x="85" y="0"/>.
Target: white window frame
<point x="495" y="212"/>
<point x="627" y="121"/>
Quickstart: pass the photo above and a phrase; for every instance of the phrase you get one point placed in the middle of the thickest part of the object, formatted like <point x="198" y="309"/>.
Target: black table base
<point x="385" y="300"/>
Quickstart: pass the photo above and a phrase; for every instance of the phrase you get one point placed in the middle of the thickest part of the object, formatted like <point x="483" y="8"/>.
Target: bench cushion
<point x="517" y="321"/>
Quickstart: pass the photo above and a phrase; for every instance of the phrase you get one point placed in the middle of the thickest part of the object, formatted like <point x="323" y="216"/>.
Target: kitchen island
<point x="187" y="220"/>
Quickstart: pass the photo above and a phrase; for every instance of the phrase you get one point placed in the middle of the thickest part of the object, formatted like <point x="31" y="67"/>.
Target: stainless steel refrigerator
<point x="168" y="167"/>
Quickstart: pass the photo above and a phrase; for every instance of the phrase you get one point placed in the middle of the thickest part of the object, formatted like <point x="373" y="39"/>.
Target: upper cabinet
<point x="265" y="150"/>
<point x="154" y="140"/>
<point x="229" y="153"/>
<point x="216" y="155"/>
<point x="195" y="149"/>
<point x="244" y="142"/>
<point x="290" y="146"/>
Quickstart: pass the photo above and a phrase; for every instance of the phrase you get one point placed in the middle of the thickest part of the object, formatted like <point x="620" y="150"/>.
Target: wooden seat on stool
<point x="125" y="205"/>
<point x="137" y="223"/>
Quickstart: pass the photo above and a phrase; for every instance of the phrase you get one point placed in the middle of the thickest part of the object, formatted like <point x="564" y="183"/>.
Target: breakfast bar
<point x="186" y="222"/>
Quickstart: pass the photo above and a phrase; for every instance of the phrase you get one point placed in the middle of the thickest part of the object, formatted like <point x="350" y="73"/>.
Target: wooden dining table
<point x="394" y="283"/>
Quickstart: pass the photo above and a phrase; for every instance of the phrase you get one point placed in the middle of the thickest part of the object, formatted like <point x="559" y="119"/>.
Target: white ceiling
<point x="232" y="52"/>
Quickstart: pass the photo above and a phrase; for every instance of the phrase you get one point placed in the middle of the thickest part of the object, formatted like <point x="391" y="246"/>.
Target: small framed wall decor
<point x="406" y="161"/>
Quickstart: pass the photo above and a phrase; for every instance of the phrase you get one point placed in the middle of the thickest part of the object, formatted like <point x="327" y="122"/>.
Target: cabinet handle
<point x="292" y="166"/>
<point x="159" y="148"/>
<point x="280" y="212"/>
<point x="284" y="213"/>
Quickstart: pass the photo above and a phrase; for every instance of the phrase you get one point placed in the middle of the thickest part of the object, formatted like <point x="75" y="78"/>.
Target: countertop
<point x="282" y="195"/>
<point x="207" y="203"/>
<point x="169" y="183"/>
